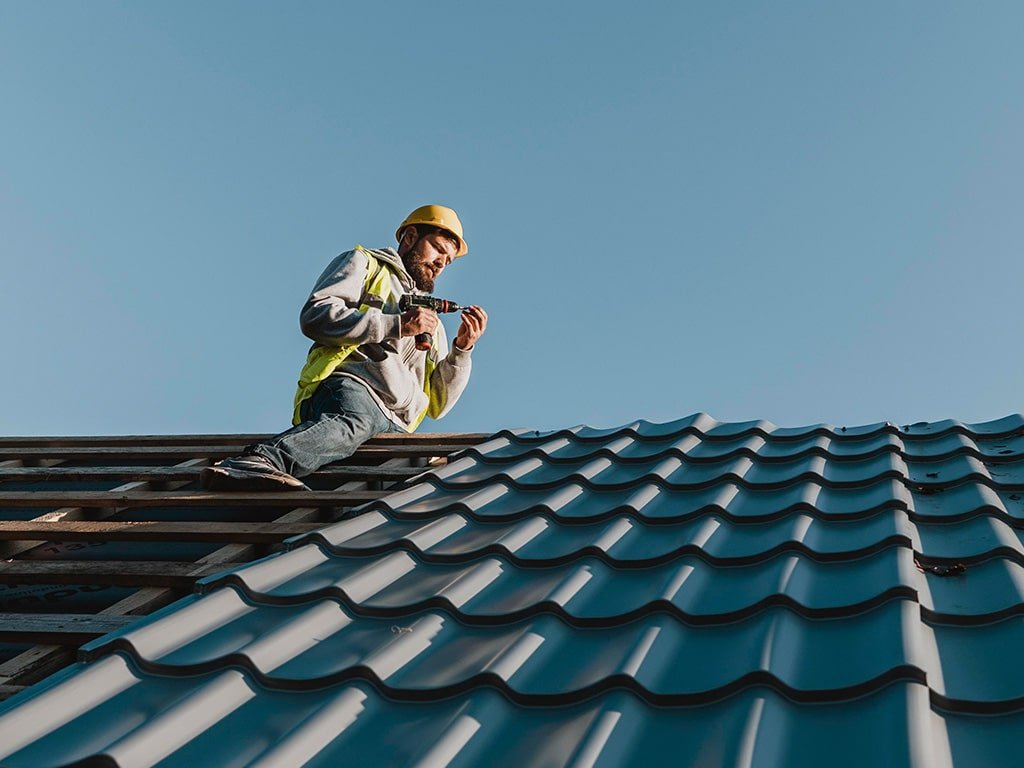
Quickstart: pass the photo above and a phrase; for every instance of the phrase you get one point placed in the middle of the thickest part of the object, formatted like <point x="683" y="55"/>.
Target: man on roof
<point x="364" y="373"/>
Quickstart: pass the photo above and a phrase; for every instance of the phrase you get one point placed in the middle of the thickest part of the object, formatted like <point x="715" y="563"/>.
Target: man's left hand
<point x="474" y="323"/>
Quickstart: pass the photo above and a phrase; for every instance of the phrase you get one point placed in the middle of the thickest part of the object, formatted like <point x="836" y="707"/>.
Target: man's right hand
<point x="418" y="320"/>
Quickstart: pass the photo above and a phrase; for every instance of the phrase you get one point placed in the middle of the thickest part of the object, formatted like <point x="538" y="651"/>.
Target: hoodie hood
<point x="390" y="255"/>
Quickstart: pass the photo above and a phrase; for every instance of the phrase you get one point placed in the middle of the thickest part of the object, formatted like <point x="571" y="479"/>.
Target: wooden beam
<point x="88" y="530"/>
<point x="42" y="660"/>
<point x="97" y="441"/>
<point x="136" y="499"/>
<point x="58" y="628"/>
<point x="115" y="573"/>
<point x="9" y="549"/>
<point x="181" y="452"/>
<point x="147" y="600"/>
<point x="38" y="662"/>
<point x="187" y="474"/>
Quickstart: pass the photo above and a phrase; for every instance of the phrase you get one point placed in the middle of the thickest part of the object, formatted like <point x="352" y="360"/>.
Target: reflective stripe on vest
<point x="322" y="361"/>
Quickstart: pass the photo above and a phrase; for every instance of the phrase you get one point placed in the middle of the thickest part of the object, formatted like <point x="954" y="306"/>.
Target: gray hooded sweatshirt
<point x="387" y="364"/>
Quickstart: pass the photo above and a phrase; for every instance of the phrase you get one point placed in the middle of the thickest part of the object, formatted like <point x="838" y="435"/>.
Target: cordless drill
<point x="425" y="341"/>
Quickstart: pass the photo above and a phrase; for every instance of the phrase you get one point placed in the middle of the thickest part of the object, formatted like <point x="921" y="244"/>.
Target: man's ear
<point x="408" y="239"/>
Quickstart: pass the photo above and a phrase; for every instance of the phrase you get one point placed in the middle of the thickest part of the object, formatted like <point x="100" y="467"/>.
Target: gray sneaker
<point x="248" y="473"/>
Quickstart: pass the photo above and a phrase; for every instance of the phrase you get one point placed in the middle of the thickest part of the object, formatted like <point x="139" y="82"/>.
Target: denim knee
<point x="344" y="395"/>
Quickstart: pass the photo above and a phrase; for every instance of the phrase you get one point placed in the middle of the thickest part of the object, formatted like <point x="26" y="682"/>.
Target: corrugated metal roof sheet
<point x="692" y="593"/>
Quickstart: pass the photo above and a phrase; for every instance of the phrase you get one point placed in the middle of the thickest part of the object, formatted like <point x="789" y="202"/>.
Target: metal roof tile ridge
<point x="913" y="584"/>
<point x="712" y="429"/>
<point x="58" y="700"/>
<point x="639" y="730"/>
<point x="979" y="476"/>
<point x="903" y="449"/>
<point x="1008" y="542"/>
<point x="790" y="546"/>
<point x="650" y="607"/>
<point x="169" y="729"/>
<point x="378" y="666"/>
<point x="325" y="538"/>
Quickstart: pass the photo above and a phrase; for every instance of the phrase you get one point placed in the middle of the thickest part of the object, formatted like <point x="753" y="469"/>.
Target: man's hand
<point x="418" y="320"/>
<point x="474" y="323"/>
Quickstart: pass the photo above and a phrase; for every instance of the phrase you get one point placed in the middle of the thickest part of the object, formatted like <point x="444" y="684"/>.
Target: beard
<point x="421" y="275"/>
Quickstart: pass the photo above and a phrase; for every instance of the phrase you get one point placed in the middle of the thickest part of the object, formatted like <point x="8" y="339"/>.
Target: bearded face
<point x="427" y="258"/>
<point x="422" y="274"/>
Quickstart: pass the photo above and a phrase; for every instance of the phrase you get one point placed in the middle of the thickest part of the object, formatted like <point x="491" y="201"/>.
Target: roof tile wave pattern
<point x="687" y="593"/>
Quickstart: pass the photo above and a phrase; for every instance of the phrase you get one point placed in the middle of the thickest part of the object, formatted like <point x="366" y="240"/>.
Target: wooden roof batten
<point x="154" y="472"/>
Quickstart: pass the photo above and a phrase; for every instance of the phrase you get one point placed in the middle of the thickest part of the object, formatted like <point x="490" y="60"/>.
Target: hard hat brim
<point x="463" y="247"/>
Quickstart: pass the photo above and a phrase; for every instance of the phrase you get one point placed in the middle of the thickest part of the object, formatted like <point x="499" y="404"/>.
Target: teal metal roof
<point x="691" y="593"/>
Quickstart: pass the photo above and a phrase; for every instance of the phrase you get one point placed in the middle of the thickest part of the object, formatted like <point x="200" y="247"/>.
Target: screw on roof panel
<point x="955" y="569"/>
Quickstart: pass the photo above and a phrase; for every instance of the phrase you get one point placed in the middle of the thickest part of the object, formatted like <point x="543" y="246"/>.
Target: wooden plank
<point x="58" y="628"/>
<point x="82" y="530"/>
<point x="116" y="573"/>
<point x="42" y="660"/>
<point x="181" y="452"/>
<point x="6" y="691"/>
<point x="386" y="438"/>
<point x="188" y="474"/>
<point x="137" y="499"/>
<point x="33" y="665"/>
<point x="461" y="439"/>
<point x="9" y="549"/>
<point x="149" y="599"/>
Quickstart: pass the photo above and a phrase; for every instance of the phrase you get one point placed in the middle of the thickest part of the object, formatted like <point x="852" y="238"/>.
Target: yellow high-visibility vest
<point x="322" y="361"/>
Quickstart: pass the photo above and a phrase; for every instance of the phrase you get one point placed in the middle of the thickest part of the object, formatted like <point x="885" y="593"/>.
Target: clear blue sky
<point x="794" y="211"/>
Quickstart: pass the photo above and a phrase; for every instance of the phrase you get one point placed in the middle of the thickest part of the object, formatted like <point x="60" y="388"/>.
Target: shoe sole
<point x="221" y="479"/>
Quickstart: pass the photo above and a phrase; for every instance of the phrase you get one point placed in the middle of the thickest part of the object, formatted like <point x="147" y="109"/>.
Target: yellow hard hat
<point x="436" y="216"/>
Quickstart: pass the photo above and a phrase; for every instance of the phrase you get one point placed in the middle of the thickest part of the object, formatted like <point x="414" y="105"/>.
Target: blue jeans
<point x="339" y="418"/>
